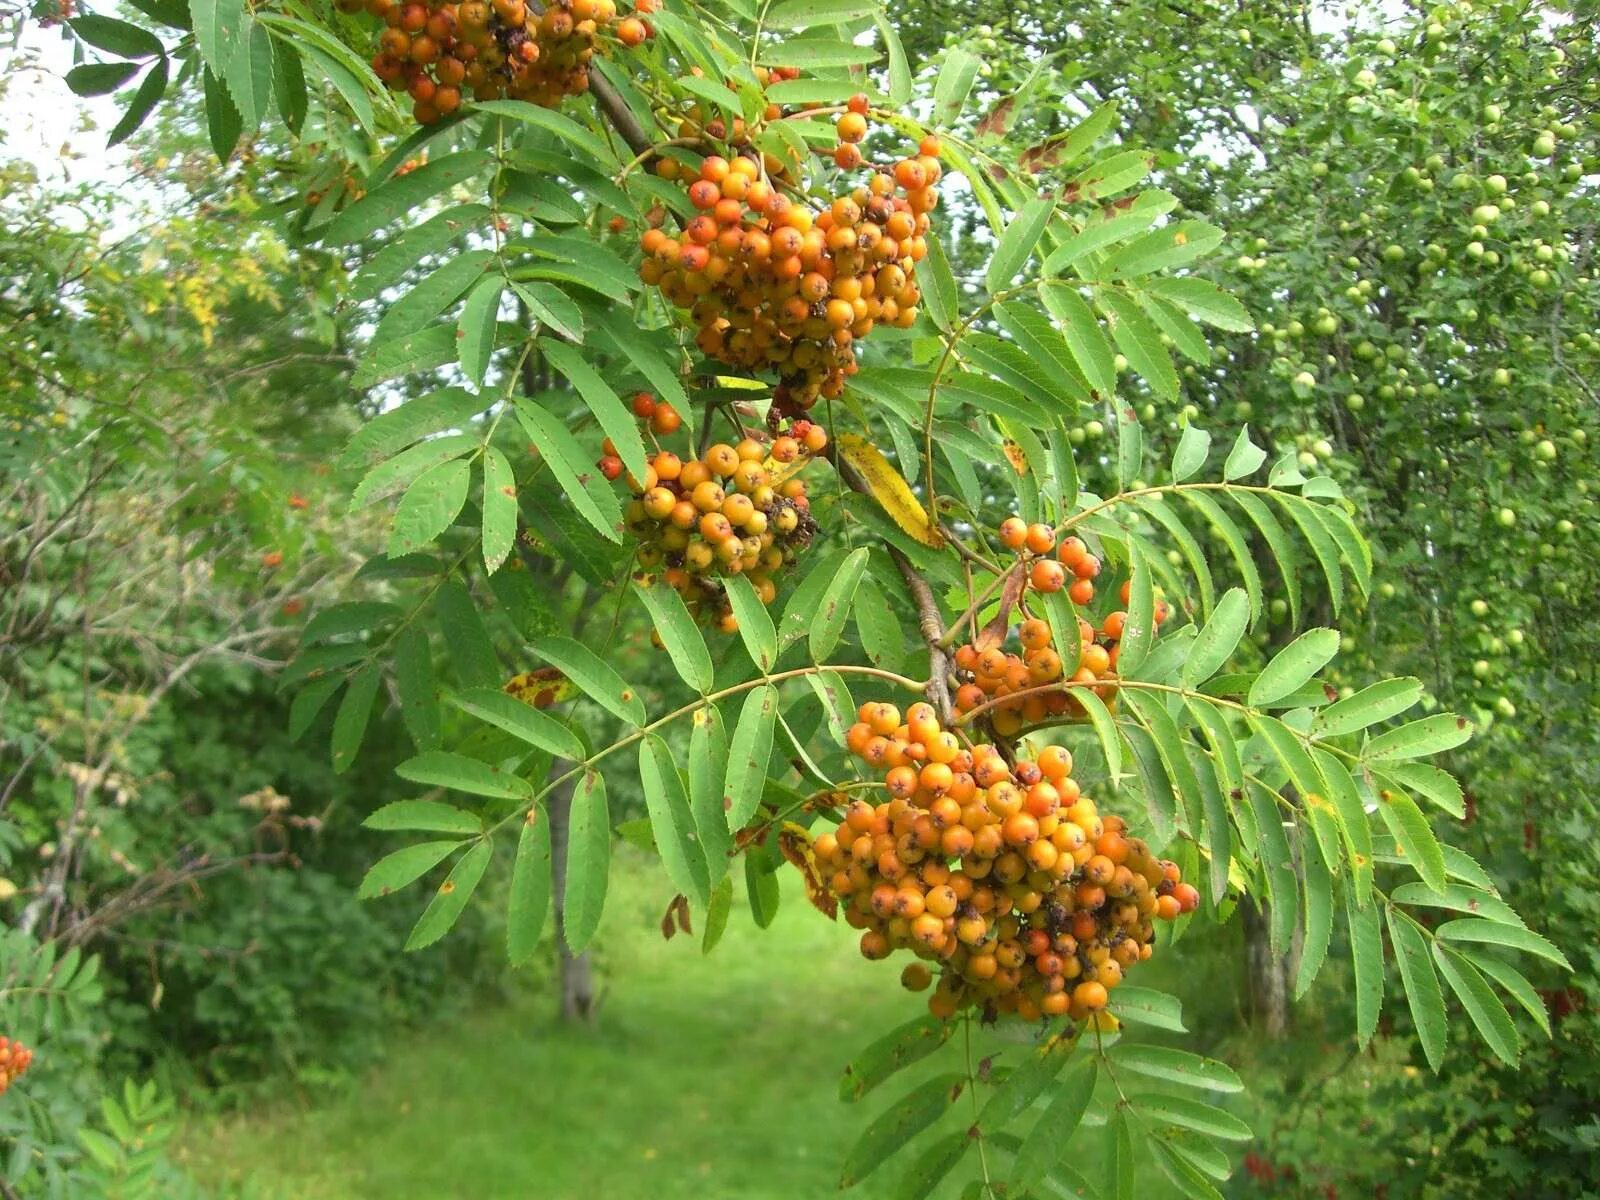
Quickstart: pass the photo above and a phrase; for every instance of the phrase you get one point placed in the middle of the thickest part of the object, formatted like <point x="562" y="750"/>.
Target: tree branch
<point x="929" y="619"/>
<point x="616" y="110"/>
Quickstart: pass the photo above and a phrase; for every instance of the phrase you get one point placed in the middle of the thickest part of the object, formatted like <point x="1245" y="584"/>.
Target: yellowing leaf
<point x="1015" y="456"/>
<point x="889" y="488"/>
<point x="796" y="845"/>
<point x="541" y="688"/>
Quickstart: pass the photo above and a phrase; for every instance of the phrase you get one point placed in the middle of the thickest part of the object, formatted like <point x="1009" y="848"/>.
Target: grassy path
<point x="705" y="1077"/>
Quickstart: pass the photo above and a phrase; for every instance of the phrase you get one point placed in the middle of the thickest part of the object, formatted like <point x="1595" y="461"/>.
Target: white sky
<point x="62" y="134"/>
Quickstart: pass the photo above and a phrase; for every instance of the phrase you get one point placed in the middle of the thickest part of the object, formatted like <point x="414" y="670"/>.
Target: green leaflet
<point x="594" y="677"/>
<point x="588" y="861"/>
<point x="450" y="901"/>
<point x="672" y="821"/>
<point x="748" y="754"/>
<point x="1421" y="984"/>
<point x="528" y="905"/>
<point x="685" y="645"/>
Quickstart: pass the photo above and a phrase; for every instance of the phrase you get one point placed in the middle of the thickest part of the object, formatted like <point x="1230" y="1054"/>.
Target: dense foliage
<point x="581" y="294"/>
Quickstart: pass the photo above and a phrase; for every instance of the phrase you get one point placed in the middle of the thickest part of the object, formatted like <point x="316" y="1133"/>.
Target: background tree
<point x="1220" y="748"/>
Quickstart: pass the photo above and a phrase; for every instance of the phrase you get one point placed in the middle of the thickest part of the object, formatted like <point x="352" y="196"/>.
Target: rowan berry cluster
<point x="14" y="1060"/>
<point x="986" y="671"/>
<point x="736" y="509"/>
<point x="435" y="50"/>
<point x="772" y="283"/>
<point x="1004" y="879"/>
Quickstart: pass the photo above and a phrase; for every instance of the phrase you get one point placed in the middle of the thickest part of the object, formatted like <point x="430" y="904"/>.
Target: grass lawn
<point x="705" y="1078"/>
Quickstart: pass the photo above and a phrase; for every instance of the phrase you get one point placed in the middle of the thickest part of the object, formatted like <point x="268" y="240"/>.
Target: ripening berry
<point x="1013" y="533"/>
<point x="1091" y="996"/>
<point x="851" y="127"/>
<point x="1047" y="576"/>
<point x="1040" y="539"/>
<point x="1187" y="896"/>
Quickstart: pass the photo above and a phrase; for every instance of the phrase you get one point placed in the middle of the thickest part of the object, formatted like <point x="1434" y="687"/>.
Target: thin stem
<point x="644" y="731"/>
<point x="639" y="159"/>
<point x="853" y="785"/>
<point x="971" y="614"/>
<point x="972" y="1091"/>
<point x="939" y="369"/>
<point x="1155" y="490"/>
<point x="967" y="553"/>
<point x="1136" y="685"/>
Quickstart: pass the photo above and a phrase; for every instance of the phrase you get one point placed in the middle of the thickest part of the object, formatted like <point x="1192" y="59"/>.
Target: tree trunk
<point x="575" y="978"/>
<point x="1268" y="981"/>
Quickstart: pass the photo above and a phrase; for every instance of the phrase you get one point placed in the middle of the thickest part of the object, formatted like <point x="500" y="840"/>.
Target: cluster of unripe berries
<point x="438" y="50"/>
<point x="772" y="283"/>
<point x="986" y="672"/>
<point x="1003" y="878"/>
<point x="736" y="509"/>
<point x="14" y="1060"/>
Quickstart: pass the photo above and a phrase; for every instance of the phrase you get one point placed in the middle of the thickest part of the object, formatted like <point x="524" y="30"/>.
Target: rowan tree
<point x="685" y="294"/>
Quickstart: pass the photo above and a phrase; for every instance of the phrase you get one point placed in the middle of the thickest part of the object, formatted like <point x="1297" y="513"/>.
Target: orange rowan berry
<point x="851" y="127"/>
<point x="1047" y="576"/>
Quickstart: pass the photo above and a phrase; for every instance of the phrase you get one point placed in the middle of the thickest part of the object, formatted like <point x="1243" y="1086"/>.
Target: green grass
<point x="704" y="1077"/>
<point x="711" y="1078"/>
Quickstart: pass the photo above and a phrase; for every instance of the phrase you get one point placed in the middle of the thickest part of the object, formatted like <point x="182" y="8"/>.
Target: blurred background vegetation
<point x="1411" y="203"/>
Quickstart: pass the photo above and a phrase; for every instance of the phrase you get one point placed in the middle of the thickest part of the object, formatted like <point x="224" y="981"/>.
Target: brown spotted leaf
<point x="541" y="688"/>
<point x="796" y="845"/>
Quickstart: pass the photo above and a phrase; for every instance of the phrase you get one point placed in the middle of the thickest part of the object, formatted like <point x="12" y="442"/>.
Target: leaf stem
<point x="644" y="731"/>
<point x="1160" y="489"/>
